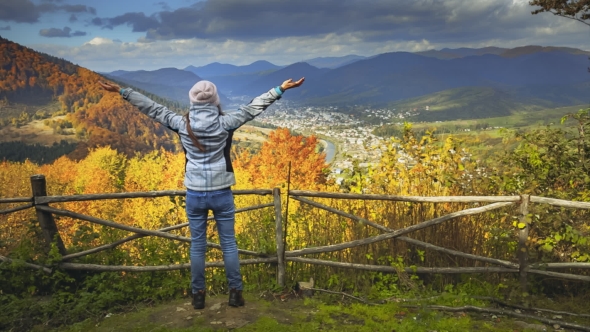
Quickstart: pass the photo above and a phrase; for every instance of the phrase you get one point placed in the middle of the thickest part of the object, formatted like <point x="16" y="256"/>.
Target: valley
<point x="357" y="136"/>
<point x="362" y="141"/>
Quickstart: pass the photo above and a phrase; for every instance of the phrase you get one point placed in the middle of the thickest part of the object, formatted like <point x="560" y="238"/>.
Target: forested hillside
<point x="31" y="81"/>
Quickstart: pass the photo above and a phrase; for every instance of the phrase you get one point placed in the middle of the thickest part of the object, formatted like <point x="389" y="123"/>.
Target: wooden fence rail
<point x="40" y="201"/>
<point x="149" y="194"/>
<point x="16" y="209"/>
<point x="166" y="229"/>
<point x="16" y="200"/>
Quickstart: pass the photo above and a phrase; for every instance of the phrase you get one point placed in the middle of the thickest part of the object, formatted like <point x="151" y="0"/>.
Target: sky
<point x="110" y="35"/>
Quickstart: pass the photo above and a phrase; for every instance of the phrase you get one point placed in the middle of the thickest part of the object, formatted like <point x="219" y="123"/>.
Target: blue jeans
<point x="221" y="202"/>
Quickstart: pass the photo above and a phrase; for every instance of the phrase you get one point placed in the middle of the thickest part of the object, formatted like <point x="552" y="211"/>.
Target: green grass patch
<point x="519" y="120"/>
<point x="320" y="313"/>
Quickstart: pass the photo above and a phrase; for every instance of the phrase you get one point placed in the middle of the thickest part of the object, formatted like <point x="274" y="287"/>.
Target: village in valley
<point x="346" y="136"/>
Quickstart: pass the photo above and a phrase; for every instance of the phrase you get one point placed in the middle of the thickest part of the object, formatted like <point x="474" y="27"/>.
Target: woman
<point x="206" y="136"/>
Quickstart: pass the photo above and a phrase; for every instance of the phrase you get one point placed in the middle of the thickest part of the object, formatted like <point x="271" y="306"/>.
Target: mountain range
<point x="222" y="69"/>
<point x="170" y="83"/>
<point x="530" y="76"/>
<point x="443" y="85"/>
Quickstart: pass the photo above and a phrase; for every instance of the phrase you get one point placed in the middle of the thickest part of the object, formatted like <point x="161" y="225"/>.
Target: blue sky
<point x="110" y="35"/>
<point x="77" y="15"/>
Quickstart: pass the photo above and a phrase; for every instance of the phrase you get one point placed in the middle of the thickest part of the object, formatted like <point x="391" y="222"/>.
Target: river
<point x="330" y="150"/>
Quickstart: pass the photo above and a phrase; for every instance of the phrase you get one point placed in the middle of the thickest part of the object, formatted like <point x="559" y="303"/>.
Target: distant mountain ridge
<point x="449" y="53"/>
<point x="221" y="69"/>
<point x="294" y="71"/>
<point x="525" y="76"/>
<point x="169" y="83"/>
<point x="547" y="79"/>
<point x="334" y="62"/>
<point x="166" y="76"/>
<point x="217" y="69"/>
<point x="518" y="51"/>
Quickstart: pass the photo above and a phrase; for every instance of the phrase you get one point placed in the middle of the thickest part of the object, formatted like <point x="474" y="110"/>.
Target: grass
<point x="296" y="315"/>
<point x="520" y="120"/>
<point x="14" y="110"/>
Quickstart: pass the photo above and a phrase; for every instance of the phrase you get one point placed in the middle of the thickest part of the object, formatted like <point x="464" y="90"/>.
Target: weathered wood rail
<point x="40" y="201"/>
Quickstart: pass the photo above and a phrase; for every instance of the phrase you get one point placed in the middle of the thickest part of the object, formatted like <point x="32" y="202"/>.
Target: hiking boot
<point x="235" y="298"/>
<point x="199" y="299"/>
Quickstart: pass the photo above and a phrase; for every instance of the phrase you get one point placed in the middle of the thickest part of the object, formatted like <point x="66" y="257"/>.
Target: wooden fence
<point x="40" y="201"/>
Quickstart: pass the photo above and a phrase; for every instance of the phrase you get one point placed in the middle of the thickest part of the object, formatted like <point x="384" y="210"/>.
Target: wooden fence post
<point x="523" y="235"/>
<point x="276" y="193"/>
<point x="46" y="221"/>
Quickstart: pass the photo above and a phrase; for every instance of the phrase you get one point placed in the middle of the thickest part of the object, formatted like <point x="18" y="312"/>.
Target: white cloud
<point x="96" y="41"/>
<point x="102" y="54"/>
<point x="510" y="25"/>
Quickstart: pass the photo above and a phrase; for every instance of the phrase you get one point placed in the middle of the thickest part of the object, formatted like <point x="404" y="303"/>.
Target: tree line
<point x="17" y="151"/>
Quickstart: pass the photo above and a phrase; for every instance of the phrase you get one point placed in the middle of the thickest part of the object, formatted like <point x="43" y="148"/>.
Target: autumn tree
<point x="420" y="165"/>
<point x="578" y="10"/>
<point x="270" y="166"/>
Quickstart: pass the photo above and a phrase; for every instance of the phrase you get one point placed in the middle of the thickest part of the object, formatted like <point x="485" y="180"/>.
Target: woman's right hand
<point x="289" y="84"/>
<point x="111" y="87"/>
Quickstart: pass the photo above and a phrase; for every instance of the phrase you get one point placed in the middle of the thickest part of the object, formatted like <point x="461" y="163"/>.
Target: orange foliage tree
<point x="269" y="168"/>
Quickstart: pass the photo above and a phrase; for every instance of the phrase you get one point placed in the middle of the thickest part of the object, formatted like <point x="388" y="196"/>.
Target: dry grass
<point x="35" y="132"/>
<point x="252" y="134"/>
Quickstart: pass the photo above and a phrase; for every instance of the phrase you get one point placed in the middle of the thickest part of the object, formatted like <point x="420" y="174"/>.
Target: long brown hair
<point x="192" y="135"/>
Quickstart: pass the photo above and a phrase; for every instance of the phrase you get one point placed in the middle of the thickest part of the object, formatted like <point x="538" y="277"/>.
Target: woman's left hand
<point x="111" y="87"/>
<point x="289" y="84"/>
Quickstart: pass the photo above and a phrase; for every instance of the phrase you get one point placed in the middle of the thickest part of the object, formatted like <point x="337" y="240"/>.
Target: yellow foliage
<point x="15" y="182"/>
<point x="428" y="168"/>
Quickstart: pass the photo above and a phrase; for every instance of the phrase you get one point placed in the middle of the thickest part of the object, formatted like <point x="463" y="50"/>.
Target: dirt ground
<point x="217" y="315"/>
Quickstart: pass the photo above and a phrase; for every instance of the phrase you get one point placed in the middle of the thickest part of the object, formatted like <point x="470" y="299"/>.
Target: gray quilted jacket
<point x="211" y="169"/>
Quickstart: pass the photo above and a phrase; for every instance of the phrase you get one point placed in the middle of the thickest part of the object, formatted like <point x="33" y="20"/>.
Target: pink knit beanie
<point x="204" y="92"/>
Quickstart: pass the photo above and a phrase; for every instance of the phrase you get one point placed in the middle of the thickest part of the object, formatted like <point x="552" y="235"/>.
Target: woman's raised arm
<point x="234" y="120"/>
<point x="147" y="106"/>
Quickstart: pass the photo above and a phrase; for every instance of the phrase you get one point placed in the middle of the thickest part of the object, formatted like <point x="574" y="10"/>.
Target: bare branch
<point x="505" y="304"/>
<point x="343" y="294"/>
<point x="571" y="18"/>
<point x="564" y="8"/>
